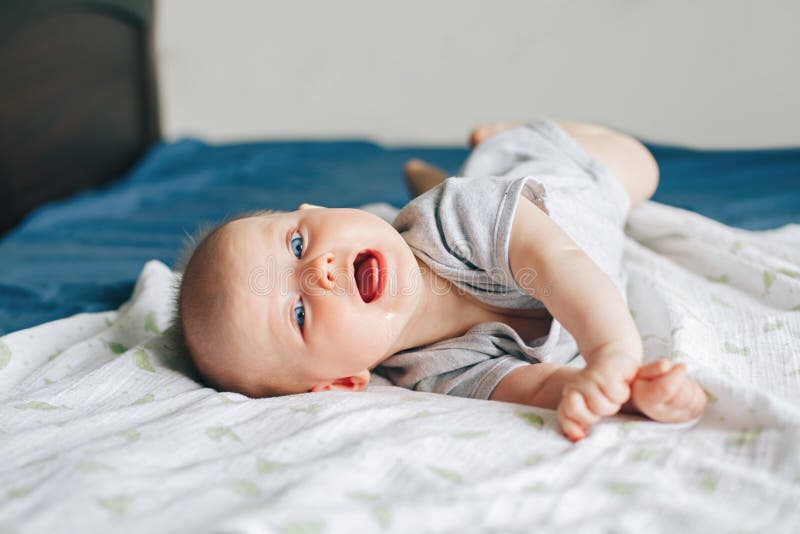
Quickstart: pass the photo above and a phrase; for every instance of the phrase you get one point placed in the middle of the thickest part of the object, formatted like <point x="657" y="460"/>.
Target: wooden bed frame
<point x="78" y="102"/>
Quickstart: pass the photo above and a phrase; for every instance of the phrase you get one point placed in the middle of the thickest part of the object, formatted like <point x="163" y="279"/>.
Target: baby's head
<point x="309" y="300"/>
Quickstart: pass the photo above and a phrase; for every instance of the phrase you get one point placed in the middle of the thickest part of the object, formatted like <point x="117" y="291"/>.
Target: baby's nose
<point x="322" y="275"/>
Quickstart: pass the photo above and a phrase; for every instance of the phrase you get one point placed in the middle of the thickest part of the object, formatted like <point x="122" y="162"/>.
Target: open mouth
<point x="367" y="272"/>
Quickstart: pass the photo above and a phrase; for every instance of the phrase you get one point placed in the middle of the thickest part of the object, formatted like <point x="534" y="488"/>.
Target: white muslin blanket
<point x="103" y="430"/>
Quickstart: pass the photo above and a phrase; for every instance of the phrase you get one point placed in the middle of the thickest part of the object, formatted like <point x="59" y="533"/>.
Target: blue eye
<point x="296" y="244"/>
<point x="299" y="312"/>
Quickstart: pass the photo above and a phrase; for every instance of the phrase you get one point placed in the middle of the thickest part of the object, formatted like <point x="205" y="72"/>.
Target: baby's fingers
<point x="573" y="430"/>
<point x="600" y="400"/>
<point x="668" y="385"/>
<point x="574" y="406"/>
<point x="654" y="369"/>
<point x="574" y="415"/>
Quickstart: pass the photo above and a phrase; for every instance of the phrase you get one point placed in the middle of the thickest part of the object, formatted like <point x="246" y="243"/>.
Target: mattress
<point x="104" y="429"/>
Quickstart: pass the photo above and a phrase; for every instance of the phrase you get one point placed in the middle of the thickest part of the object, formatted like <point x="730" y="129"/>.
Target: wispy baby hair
<point x="190" y="245"/>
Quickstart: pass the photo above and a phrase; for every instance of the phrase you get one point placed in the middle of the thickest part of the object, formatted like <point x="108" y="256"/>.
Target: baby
<point x="484" y="286"/>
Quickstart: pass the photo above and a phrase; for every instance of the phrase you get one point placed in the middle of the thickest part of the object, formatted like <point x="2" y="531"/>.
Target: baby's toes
<point x="479" y="134"/>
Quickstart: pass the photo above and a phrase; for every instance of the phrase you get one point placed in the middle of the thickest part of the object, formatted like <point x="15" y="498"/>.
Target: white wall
<point x="719" y="73"/>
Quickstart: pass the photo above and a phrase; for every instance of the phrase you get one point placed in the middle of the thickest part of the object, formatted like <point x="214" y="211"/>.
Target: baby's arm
<point x="585" y="301"/>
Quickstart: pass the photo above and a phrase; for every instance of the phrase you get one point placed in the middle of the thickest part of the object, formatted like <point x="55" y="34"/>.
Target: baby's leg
<point x="629" y="159"/>
<point x="421" y="176"/>
<point x="479" y="134"/>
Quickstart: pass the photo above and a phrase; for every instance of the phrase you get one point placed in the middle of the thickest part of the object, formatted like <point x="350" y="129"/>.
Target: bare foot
<point x="481" y="133"/>
<point x="420" y="176"/>
<point x="663" y="392"/>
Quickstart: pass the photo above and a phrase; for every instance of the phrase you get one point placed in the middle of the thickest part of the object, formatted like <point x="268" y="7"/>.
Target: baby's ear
<point x="305" y="206"/>
<point x="349" y="383"/>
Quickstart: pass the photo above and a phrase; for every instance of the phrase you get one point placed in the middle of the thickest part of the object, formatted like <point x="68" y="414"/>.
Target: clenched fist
<point x="598" y="390"/>
<point x="663" y="392"/>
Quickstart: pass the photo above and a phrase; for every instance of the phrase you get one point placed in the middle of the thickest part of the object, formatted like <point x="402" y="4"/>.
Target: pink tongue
<point x="367" y="278"/>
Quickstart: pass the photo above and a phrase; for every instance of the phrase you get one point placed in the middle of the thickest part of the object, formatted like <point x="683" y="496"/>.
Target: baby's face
<point x="321" y="293"/>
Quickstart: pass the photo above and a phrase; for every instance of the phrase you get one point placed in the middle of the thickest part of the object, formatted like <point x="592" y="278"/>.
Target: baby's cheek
<point x="363" y="340"/>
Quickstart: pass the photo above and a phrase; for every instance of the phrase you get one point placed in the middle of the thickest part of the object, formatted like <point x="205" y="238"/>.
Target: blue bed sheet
<point x="83" y="254"/>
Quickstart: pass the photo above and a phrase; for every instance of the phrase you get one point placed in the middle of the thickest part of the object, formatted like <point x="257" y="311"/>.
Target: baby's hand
<point x="599" y="390"/>
<point x="663" y="392"/>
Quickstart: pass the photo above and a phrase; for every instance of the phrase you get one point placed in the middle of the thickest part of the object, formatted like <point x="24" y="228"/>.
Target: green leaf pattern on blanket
<point x="721" y="302"/>
<point x="5" y="354"/>
<point x="118" y="506"/>
<point x="17" y="493"/>
<point x="117" y="348"/>
<point x="626" y="489"/>
<point x="745" y="437"/>
<point x="315" y="526"/>
<point x="36" y="405"/>
<point x="721" y="279"/>
<point x="143" y="361"/>
<point x="535" y="487"/>
<point x="769" y="278"/>
<point x="246" y="488"/>
<point x="707" y="482"/>
<point x="89" y="466"/>
<point x="736" y="246"/>
<point x="642" y="455"/>
<point x="267" y="466"/>
<point x="446" y="473"/>
<point x="769" y="327"/>
<point x="533" y="419"/>
<point x="144" y="399"/>
<point x="131" y="435"/>
<point x="383" y="515"/>
<point x="789" y="272"/>
<point x="364" y="496"/>
<point x="150" y="323"/>
<point x="730" y="347"/>
<point x="381" y="511"/>
<point x="217" y="433"/>
<point x="313" y="408"/>
<point x="534" y="459"/>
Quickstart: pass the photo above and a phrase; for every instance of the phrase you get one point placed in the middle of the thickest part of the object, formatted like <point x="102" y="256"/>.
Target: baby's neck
<point x="443" y="312"/>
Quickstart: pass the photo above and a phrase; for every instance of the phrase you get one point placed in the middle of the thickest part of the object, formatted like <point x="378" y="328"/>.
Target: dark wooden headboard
<point x="78" y="101"/>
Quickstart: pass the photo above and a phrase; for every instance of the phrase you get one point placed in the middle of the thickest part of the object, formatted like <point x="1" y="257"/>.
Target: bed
<point x="104" y="429"/>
